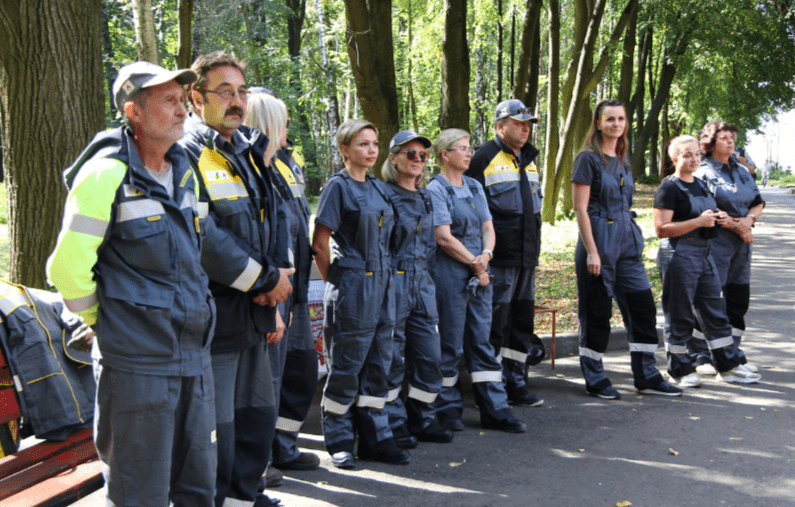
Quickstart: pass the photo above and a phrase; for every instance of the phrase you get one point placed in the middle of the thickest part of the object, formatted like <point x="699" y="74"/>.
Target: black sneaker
<point x="452" y="425"/>
<point x="663" y="388"/>
<point x="526" y="400"/>
<point x="606" y="393"/>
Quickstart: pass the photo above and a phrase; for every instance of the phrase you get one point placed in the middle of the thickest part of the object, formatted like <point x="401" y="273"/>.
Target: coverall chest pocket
<point x="147" y="244"/>
<point x="233" y="216"/>
<point x="505" y="197"/>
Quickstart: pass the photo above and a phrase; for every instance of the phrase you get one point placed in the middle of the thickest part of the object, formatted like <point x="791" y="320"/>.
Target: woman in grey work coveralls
<point x="416" y="319"/>
<point x="465" y="235"/>
<point x="609" y="258"/>
<point x="736" y="193"/>
<point x="685" y="216"/>
<point x="359" y="301"/>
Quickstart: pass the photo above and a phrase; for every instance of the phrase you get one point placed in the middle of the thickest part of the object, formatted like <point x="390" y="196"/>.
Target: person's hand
<point x="724" y="220"/>
<point x="708" y="218"/>
<point x="82" y="338"/>
<point x="480" y="263"/>
<point x="262" y="299"/>
<point x="277" y="335"/>
<point x="483" y="278"/>
<point x="282" y="289"/>
<point x="594" y="264"/>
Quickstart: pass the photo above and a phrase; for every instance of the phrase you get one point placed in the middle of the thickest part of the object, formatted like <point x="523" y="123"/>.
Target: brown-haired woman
<point x="609" y="258"/>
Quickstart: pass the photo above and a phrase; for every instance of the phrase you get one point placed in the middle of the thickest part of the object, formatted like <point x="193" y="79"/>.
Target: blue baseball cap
<point x="405" y="136"/>
<point x="514" y="108"/>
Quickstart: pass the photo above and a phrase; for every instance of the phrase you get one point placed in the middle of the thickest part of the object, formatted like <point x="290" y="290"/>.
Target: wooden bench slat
<point x="40" y="472"/>
<point x="61" y="490"/>
<point x="41" y="452"/>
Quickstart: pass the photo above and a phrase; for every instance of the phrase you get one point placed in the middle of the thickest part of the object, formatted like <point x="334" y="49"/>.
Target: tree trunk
<point x="627" y="62"/>
<point x="530" y="98"/>
<point x="531" y="22"/>
<point x="45" y="127"/>
<point x="253" y="62"/>
<point x="332" y="112"/>
<point x="145" y="39"/>
<point x="185" y="35"/>
<point x="412" y="102"/>
<point x="455" y="67"/>
<point x="481" y="127"/>
<point x="548" y="213"/>
<point x="371" y="54"/>
<point x="499" y="50"/>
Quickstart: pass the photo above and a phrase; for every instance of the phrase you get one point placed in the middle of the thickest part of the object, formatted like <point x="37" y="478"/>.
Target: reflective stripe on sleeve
<point x="226" y="190"/>
<point x="203" y="209"/>
<point x="392" y="394"/>
<point x="249" y="275"/>
<point x="486" y="376"/>
<point x="334" y="407"/>
<point x="532" y="177"/>
<point x="643" y="347"/>
<point x="591" y="354"/>
<point x="289" y="425"/>
<point x="698" y="334"/>
<point x="82" y="304"/>
<point x="87" y="225"/>
<point x="720" y="342"/>
<point x="737" y="332"/>
<point x="449" y="381"/>
<point x="370" y="401"/>
<point x="140" y="208"/>
<point x="420" y="395"/>
<point x="513" y="355"/>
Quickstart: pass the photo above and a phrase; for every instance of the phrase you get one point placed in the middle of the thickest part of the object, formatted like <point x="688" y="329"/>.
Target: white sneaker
<point x="739" y="375"/>
<point x="706" y="369"/>
<point x="750" y="367"/>
<point x="689" y="380"/>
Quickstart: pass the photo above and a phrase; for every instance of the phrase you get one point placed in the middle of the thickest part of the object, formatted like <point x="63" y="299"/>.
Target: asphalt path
<point x="722" y="445"/>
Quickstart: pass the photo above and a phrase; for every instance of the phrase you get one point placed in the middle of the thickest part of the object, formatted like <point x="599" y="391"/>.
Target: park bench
<point x="50" y="474"/>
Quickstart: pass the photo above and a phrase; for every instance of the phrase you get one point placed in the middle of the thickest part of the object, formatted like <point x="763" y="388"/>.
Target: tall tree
<point x="145" y="38"/>
<point x="371" y="54"/>
<point x="531" y="24"/>
<point x="551" y="143"/>
<point x="455" y="67"/>
<point x="185" y="35"/>
<point x="332" y="111"/>
<point x="51" y="105"/>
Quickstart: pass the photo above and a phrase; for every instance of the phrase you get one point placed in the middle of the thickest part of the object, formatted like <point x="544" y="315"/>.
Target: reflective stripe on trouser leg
<point x="640" y="317"/>
<point x="594" y="309"/>
<point x="481" y="358"/>
<point x="423" y="358"/>
<point x="356" y="349"/>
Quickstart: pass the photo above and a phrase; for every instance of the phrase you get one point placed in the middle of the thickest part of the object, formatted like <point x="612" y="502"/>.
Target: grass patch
<point x="556" y="283"/>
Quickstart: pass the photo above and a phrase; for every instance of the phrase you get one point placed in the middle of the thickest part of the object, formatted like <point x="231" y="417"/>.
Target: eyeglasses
<point x="229" y="93"/>
<point x="288" y="123"/>
<point x="465" y="149"/>
<point x="412" y="155"/>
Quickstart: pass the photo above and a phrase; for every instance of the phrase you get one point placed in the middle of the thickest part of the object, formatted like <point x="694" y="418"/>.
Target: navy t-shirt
<point x="670" y="196"/>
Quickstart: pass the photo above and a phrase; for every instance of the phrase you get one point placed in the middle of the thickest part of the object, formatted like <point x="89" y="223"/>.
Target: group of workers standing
<point x="186" y="246"/>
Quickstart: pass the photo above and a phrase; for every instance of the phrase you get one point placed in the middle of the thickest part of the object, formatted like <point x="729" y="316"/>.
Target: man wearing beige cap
<point x="128" y="261"/>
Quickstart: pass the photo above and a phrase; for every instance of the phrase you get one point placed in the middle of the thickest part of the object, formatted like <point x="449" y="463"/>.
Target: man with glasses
<point x="246" y="260"/>
<point x="505" y="167"/>
<point x="128" y="262"/>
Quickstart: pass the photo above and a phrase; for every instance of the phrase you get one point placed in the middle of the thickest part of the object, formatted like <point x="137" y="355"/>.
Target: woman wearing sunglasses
<point x="465" y="235"/>
<point x="358" y="303"/>
<point x="416" y="318"/>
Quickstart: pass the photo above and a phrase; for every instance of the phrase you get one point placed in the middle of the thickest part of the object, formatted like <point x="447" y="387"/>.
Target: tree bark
<point x="253" y="62"/>
<point x="412" y="102"/>
<point x="185" y="35"/>
<point x="145" y="39"/>
<point x="45" y="126"/>
<point x="627" y="62"/>
<point x="455" y="67"/>
<point x="499" y="50"/>
<point x="548" y="212"/>
<point x="332" y="112"/>
<point x="531" y="22"/>
<point x="371" y="54"/>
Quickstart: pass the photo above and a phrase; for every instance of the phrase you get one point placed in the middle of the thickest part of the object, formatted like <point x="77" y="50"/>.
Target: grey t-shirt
<point x="441" y="215"/>
<point x="165" y="179"/>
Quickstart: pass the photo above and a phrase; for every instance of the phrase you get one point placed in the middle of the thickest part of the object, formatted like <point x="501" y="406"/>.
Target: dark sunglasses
<point x="412" y="155"/>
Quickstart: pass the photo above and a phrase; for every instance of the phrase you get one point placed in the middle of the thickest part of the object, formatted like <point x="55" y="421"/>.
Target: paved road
<point x="718" y="445"/>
